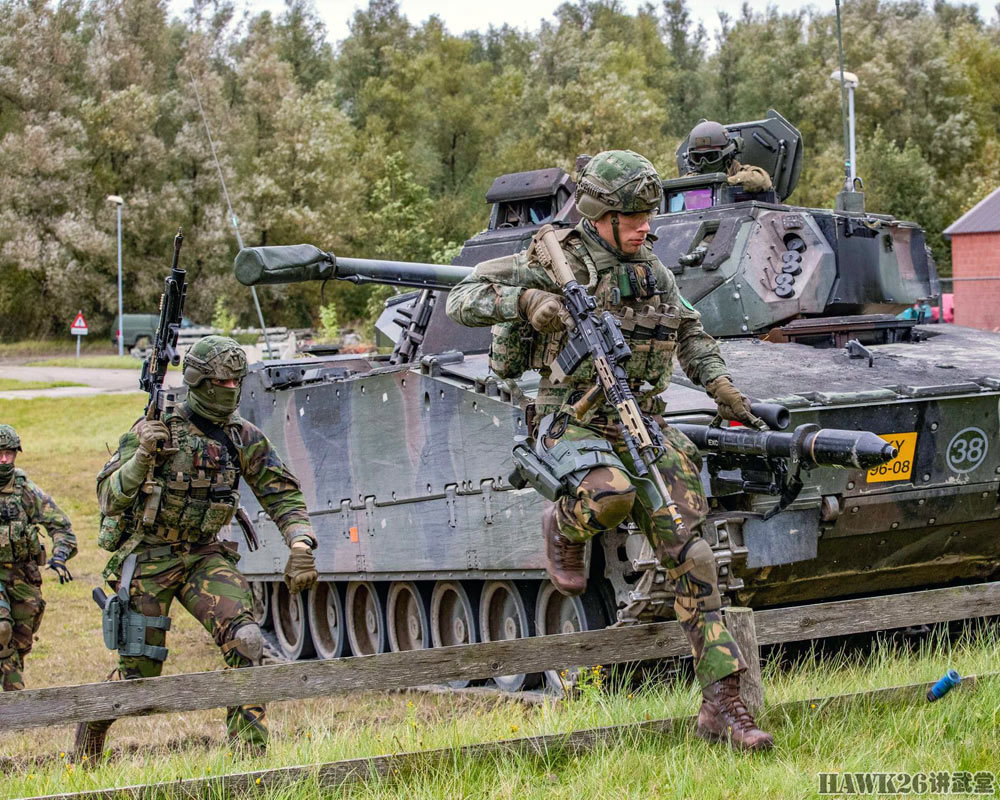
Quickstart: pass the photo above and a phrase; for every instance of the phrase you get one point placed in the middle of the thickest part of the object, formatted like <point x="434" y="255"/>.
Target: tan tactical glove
<point x="752" y="180"/>
<point x="300" y="570"/>
<point x="545" y="311"/>
<point x="6" y="633"/>
<point x="732" y="404"/>
<point x="151" y="432"/>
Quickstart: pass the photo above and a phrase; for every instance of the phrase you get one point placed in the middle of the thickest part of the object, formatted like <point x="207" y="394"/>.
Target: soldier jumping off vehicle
<point x="712" y="149"/>
<point x="196" y="455"/>
<point x="26" y="513"/>
<point x="609" y="253"/>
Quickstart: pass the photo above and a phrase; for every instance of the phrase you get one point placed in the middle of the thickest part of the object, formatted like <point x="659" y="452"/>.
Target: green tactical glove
<point x="152" y="433"/>
<point x="58" y="564"/>
<point x="732" y="404"/>
<point x="545" y="311"/>
<point x="6" y="633"/>
<point x="300" y="570"/>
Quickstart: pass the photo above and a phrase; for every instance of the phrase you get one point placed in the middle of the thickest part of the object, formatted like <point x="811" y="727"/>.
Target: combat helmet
<point x="214" y="358"/>
<point x="710" y="148"/>
<point x="9" y="440"/>
<point x="618" y="180"/>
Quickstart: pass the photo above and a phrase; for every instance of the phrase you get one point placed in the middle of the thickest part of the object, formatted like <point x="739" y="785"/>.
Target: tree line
<point x="383" y="144"/>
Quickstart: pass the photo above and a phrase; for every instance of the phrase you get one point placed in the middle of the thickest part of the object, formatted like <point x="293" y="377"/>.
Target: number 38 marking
<point x="967" y="449"/>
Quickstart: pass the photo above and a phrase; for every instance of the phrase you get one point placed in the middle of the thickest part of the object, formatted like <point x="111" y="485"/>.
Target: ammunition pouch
<point x="123" y="628"/>
<point x="558" y="470"/>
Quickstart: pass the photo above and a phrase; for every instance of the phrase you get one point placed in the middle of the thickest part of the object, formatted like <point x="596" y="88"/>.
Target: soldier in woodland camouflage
<point x="609" y="253"/>
<point x="198" y="452"/>
<point x="710" y="149"/>
<point x="26" y="514"/>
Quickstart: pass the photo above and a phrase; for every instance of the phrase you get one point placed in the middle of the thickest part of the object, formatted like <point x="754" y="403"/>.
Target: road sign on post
<point x="78" y="329"/>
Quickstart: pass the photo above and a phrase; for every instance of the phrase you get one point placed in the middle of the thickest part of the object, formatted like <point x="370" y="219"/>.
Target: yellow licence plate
<point x="901" y="467"/>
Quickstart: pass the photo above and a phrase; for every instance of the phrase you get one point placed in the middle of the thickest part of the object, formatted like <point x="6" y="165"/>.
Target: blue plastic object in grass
<point x="949" y="681"/>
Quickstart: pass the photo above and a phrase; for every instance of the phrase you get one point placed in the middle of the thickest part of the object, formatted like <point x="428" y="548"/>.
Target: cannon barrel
<point x="814" y="446"/>
<point x="303" y="262"/>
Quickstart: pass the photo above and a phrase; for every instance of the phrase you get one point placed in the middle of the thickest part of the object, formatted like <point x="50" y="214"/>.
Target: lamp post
<point x="118" y="201"/>
<point x="851" y="82"/>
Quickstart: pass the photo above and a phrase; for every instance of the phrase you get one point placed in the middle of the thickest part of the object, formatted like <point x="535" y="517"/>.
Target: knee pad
<point x="6" y="633"/>
<point x="696" y="577"/>
<point x="608" y="495"/>
<point x="248" y="642"/>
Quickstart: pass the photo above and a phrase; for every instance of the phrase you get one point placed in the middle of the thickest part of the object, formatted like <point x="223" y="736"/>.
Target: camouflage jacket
<point x="26" y="513"/>
<point x="658" y="323"/>
<point x="196" y="489"/>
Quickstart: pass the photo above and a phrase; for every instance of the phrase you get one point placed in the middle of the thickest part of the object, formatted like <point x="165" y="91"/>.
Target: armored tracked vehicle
<point x="405" y="459"/>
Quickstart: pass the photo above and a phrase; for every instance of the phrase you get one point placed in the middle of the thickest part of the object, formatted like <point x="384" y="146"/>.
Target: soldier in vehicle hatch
<point x="26" y="513"/>
<point x="712" y="149"/>
<point x="609" y="252"/>
<point x="196" y="455"/>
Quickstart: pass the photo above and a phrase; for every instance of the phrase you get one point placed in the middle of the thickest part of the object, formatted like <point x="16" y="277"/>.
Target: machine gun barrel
<point x="304" y="262"/>
<point x="811" y="445"/>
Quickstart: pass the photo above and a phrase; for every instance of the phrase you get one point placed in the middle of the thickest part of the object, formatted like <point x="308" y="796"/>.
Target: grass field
<point x="94" y="362"/>
<point x="65" y="443"/>
<point x="10" y="384"/>
<point x="35" y="348"/>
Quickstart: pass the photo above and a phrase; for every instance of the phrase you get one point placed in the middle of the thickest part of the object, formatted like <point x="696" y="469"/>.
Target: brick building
<point x="975" y="253"/>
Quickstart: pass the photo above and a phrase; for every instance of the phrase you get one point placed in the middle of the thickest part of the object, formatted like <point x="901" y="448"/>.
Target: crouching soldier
<point x="196" y="454"/>
<point x="26" y="514"/>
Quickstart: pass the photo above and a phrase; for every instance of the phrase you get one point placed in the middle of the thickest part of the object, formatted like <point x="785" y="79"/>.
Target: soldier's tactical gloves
<point x="751" y="180"/>
<point x="545" y="311"/>
<point x="152" y="433"/>
<point x="58" y="563"/>
<point x="6" y="633"/>
<point x="300" y="570"/>
<point x="732" y="404"/>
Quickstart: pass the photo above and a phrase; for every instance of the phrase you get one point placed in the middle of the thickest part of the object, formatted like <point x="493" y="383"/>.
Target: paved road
<point x="96" y="381"/>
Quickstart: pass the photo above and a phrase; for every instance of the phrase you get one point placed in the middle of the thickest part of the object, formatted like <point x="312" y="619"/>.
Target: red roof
<point x="983" y="217"/>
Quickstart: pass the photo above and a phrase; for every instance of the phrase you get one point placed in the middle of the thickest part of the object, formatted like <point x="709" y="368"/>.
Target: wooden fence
<point x="203" y="690"/>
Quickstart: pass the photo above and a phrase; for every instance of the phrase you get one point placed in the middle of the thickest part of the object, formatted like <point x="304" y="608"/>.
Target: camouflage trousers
<point x="204" y="579"/>
<point x="22" y="605"/>
<point x="605" y="489"/>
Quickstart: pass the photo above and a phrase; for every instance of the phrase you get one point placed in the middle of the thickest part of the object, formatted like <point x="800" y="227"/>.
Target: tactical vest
<point x="19" y="540"/>
<point x="630" y="293"/>
<point x="197" y="496"/>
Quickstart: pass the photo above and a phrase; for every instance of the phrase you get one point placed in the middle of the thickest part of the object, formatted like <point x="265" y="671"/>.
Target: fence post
<point x="740" y="622"/>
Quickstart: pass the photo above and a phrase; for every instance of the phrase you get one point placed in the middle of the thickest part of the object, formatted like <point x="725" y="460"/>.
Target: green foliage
<point x="223" y="320"/>
<point x="329" y="328"/>
<point x="385" y="145"/>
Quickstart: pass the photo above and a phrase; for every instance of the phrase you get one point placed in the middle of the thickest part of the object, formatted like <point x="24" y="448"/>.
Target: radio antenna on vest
<point x="232" y="215"/>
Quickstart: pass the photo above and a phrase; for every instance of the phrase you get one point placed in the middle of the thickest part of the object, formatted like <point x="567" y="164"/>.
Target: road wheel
<point x="326" y="620"/>
<point x="364" y="610"/>
<point x="556" y="613"/>
<point x="453" y="619"/>
<point x="406" y="617"/>
<point x="503" y="614"/>
<point x="291" y="627"/>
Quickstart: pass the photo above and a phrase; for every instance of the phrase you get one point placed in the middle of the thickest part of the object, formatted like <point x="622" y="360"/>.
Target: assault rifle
<point x="162" y="354"/>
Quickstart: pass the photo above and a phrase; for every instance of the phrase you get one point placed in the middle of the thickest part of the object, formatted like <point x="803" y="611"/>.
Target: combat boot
<point x="724" y="718"/>
<point x="566" y="558"/>
<point x="88" y="744"/>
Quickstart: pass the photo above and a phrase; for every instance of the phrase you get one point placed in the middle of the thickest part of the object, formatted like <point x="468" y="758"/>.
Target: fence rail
<point x="336" y="774"/>
<point x="202" y="690"/>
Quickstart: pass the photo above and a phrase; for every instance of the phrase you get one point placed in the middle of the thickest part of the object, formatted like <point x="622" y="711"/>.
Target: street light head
<point x="116" y="199"/>
<point x="850" y="79"/>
